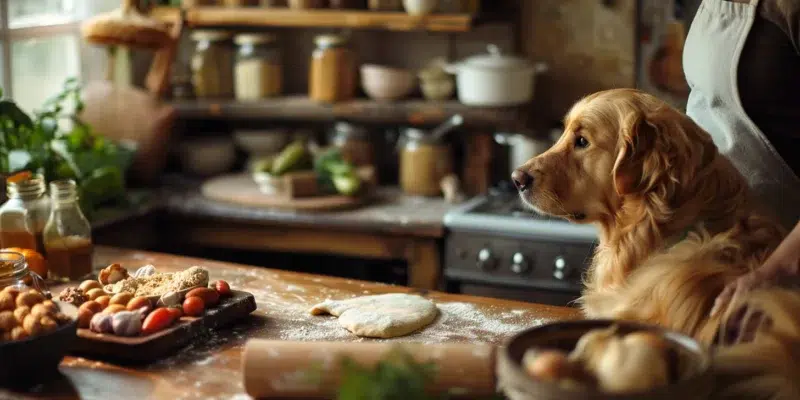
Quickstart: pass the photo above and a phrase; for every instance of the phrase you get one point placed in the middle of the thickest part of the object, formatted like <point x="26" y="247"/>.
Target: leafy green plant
<point x="58" y="144"/>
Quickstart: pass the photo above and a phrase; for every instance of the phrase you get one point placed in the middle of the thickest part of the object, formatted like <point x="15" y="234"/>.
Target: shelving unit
<point x="289" y="18"/>
<point x="362" y="110"/>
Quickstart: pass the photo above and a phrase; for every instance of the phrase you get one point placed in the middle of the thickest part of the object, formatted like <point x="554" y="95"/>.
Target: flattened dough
<point x="381" y="316"/>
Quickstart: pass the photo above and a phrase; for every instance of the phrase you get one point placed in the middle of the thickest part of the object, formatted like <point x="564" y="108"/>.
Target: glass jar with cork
<point x="67" y="235"/>
<point x="24" y="215"/>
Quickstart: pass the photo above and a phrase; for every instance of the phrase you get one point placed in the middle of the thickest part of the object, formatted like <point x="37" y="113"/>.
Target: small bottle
<point x="67" y="235"/>
<point x="23" y="216"/>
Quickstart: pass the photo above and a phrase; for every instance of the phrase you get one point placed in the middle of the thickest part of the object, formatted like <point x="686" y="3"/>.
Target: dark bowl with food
<point x="588" y="371"/>
<point x="34" y="360"/>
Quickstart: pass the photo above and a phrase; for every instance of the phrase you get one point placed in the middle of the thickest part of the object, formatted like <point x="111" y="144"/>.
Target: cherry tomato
<point x="157" y="320"/>
<point x="210" y="296"/>
<point x="193" y="306"/>
<point x="223" y="288"/>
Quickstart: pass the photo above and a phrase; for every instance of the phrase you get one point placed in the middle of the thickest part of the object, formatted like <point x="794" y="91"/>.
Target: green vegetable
<point x="262" y="165"/>
<point x="293" y="158"/>
<point x="41" y="144"/>
<point x="347" y="185"/>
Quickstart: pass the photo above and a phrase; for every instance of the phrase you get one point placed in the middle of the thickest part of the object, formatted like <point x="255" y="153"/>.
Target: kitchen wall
<point x="588" y="44"/>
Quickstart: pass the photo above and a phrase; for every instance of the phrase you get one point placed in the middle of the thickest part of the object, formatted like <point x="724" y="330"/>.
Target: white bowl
<point x="209" y="156"/>
<point x="420" y="7"/>
<point x="386" y="83"/>
<point x="261" y="142"/>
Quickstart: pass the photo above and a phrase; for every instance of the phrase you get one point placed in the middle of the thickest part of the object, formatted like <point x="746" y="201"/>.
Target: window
<point x="41" y="46"/>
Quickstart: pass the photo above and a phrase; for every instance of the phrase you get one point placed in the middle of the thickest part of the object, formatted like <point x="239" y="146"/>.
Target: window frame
<point x="9" y="35"/>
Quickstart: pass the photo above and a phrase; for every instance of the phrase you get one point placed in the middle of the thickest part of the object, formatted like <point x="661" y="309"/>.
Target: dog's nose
<point x="522" y="180"/>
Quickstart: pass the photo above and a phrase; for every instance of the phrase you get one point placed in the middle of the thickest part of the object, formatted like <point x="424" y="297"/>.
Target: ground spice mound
<point x="161" y="283"/>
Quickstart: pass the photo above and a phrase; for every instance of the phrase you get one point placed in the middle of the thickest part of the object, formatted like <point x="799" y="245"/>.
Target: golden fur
<point x="676" y="223"/>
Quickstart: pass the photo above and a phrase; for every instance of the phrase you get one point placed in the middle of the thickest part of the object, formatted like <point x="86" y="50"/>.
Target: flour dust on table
<point x="381" y="316"/>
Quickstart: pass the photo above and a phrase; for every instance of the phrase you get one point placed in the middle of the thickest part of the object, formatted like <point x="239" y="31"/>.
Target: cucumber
<point x="290" y="158"/>
<point x="347" y="185"/>
<point x="262" y="165"/>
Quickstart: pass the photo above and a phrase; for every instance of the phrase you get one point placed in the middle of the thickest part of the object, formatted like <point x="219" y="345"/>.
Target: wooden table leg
<point x="424" y="265"/>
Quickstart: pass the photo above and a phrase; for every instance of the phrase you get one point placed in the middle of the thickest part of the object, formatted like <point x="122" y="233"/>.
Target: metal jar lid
<point x="254" y="38"/>
<point x="330" y="40"/>
<point x="343" y="130"/>
<point x="210" y="35"/>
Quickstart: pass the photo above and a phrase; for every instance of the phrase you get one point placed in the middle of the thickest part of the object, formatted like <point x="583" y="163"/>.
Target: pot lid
<point x="495" y="59"/>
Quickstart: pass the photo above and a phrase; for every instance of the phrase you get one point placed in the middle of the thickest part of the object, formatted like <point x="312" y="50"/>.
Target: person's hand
<point x="736" y="290"/>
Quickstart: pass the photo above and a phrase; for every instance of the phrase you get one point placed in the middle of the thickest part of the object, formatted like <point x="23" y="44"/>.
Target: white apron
<point x="710" y="62"/>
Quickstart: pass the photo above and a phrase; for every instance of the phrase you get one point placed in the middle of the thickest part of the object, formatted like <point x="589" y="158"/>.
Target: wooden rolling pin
<point x="283" y="369"/>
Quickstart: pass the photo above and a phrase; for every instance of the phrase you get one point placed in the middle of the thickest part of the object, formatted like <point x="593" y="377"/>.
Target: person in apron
<point x="742" y="62"/>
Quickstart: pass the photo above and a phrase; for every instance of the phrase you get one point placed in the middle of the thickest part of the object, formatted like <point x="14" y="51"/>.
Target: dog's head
<point x="617" y="144"/>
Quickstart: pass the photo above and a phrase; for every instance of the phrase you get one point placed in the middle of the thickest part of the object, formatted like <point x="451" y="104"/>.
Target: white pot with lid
<point x="495" y="79"/>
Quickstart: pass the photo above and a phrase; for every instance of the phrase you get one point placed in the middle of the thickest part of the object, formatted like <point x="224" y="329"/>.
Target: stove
<point x="499" y="248"/>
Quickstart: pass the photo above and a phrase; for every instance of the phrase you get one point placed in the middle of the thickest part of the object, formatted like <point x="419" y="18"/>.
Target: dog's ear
<point x="638" y="154"/>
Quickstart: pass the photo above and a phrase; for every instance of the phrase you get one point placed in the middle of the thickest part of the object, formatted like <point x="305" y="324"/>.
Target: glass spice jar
<point x="24" y="215"/>
<point x="353" y="142"/>
<point x="259" y="73"/>
<point x="14" y="272"/>
<point x="332" y="74"/>
<point x="67" y="235"/>
<point x="212" y="64"/>
<point x="424" y="162"/>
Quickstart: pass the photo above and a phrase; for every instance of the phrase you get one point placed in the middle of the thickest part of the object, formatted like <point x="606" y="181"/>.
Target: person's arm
<point x="784" y="261"/>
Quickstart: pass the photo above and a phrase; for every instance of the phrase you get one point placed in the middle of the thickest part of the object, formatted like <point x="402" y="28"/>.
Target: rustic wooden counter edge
<point x="210" y="366"/>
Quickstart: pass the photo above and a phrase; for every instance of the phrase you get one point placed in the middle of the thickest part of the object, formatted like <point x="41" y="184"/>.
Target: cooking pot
<point x="494" y="79"/>
<point x="522" y="147"/>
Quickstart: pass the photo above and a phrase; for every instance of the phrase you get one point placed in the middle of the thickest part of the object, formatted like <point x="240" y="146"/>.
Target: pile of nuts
<point x="124" y="314"/>
<point x="27" y="313"/>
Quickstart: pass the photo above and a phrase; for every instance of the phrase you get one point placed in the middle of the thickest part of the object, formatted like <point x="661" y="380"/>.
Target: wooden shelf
<point x="284" y="17"/>
<point x="417" y="112"/>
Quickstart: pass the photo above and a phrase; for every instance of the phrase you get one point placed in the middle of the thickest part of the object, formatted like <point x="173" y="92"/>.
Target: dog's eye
<point x="581" y="142"/>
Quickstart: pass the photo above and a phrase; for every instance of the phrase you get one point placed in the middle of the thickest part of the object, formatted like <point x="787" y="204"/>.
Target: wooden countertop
<point x="391" y="212"/>
<point x="209" y="368"/>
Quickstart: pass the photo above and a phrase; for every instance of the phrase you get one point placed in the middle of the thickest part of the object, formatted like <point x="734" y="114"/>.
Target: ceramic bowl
<point x="208" y="156"/>
<point x="694" y="363"/>
<point x="420" y="7"/>
<point x="261" y="142"/>
<point x="36" y="359"/>
<point x="386" y="83"/>
<point x="438" y="89"/>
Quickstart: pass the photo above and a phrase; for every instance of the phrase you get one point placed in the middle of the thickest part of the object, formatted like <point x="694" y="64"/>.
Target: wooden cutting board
<point x="241" y="189"/>
<point x="160" y="344"/>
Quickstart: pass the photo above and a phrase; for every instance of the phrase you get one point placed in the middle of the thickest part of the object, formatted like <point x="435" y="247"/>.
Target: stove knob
<point x="561" y="270"/>
<point x="519" y="265"/>
<point x="486" y="260"/>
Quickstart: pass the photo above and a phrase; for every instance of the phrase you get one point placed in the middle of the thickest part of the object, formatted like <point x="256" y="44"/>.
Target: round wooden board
<point x="240" y="189"/>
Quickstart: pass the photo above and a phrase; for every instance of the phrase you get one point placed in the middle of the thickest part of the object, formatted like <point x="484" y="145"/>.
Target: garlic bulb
<point x="144" y="271"/>
<point x="127" y="323"/>
<point x="170" y="299"/>
<point x="101" y="323"/>
<point x="632" y="364"/>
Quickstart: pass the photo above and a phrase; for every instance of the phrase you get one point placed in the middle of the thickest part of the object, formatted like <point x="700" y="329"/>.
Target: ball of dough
<point x="29" y="298"/>
<point x="19" y="333"/>
<point x="32" y="325"/>
<point x="48" y="324"/>
<point x="20" y="313"/>
<point x="42" y="310"/>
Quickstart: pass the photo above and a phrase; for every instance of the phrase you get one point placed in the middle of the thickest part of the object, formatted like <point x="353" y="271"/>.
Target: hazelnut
<point x="84" y="317"/>
<point x="19" y="333"/>
<point x="29" y="298"/>
<point x="20" y="313"/>
<point x="90" y="284"/>
<point x="121" y="298"/>
<point x="112" y="274"/>
<point x="73" y="295"/>
<point x="42" y="310"/>
<point x="13" y="291"/>
<point x="32" y="325"/>
<point x="7" y="321"/>
<point x="48" y="324"/>
<point x="7" y="301"/>
<point x="92" y="305"/>
<point x="114" y="308"/>
<point x="104" y="300"/>
<point x="95" y="293"/>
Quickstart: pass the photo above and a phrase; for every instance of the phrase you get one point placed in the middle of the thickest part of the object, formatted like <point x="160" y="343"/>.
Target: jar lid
<point x="255" y="38"/>
<point x="210" y="35"/>
<point x="347" y="130"/>
<point x="417" y="135"/>
<point x="495" y="59"/>
<point x="329" y="40"/>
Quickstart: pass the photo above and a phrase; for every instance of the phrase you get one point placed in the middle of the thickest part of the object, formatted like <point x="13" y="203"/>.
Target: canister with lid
<point x="332" y="76"/>
<point x="424" y="161"/>
<point x="212" y="64"/>
<point x="354" y="143"/>
<point x="258" y="71"/>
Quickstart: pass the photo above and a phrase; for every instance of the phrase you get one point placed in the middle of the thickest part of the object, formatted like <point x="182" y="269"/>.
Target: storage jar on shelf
<point x="212" y="64"/>
<point x="67" y="235"/>
<point x="353" y="142"/>
<point x="24" y="215"/>
<point x="258" y="71"/>
<point x="332" y="75"/>
<point x="424" y="162"/>
<point x="385" y="5"/>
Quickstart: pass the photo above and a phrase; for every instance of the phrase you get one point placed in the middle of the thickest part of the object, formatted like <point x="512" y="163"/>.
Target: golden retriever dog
<point x="676" y="223"/>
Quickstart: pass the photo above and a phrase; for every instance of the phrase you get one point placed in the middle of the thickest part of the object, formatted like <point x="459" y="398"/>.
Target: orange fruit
<point x="19" y="177"/>
<point x="36" y="262"/>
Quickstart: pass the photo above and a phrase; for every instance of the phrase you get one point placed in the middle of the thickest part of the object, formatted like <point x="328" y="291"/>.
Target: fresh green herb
<point x="57" y="144"/>
<point x="397" y="377"/>
<point x="335" y="174"/>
